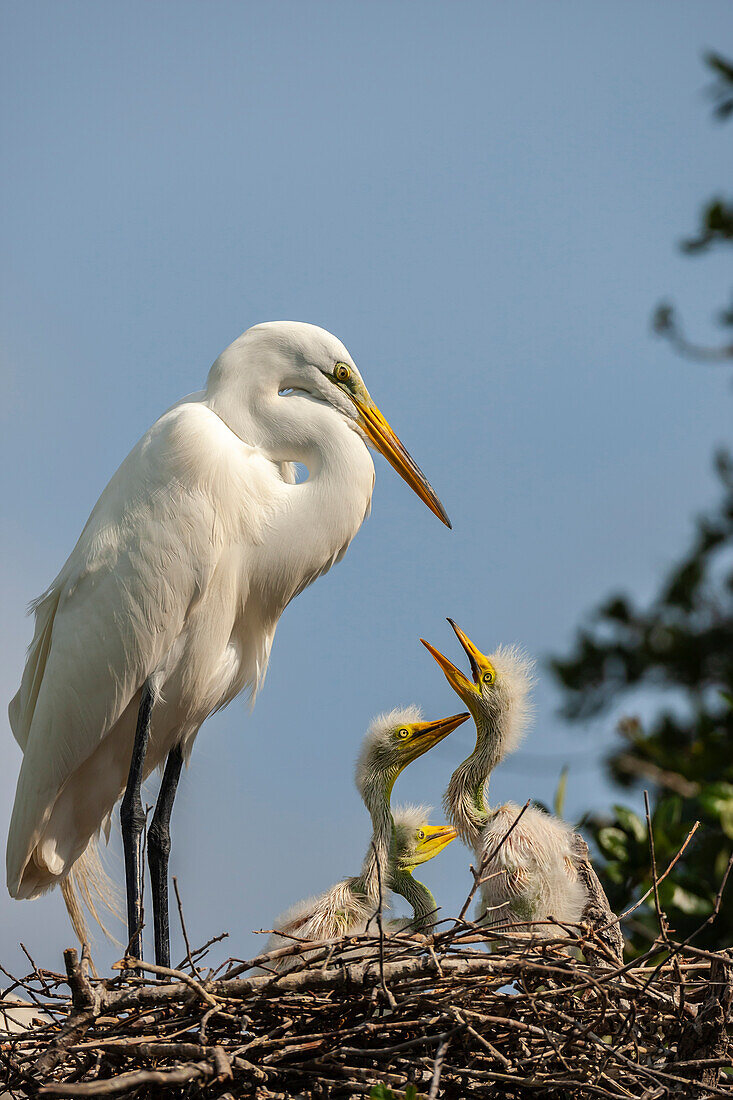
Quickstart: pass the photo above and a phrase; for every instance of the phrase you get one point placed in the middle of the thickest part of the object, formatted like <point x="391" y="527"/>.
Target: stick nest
<point x="435" y="1017"/>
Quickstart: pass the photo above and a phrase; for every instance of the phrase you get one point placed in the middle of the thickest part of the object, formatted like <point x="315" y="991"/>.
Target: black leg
<point x="159" y="846"/>
<point x="132" y="819"/>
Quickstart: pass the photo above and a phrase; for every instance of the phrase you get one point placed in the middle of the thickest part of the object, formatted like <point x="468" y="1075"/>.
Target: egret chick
<point x="414" y="842"/>
<point x="348" y="907"/>
<point x="342" y="910"/>
<point x="533" y="876"/>
<point x="392" y="742"/>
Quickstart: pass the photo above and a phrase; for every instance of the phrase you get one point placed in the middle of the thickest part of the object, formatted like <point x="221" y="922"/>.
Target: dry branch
<point x="525" y="1019"/>
<point x="465" y="1012"/>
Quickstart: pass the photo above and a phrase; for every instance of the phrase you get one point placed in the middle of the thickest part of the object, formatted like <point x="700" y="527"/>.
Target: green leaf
<point x="716" y="792"/>
<point x="562" y="786"/>
<point x="690" y="903"/>
<point x="717" y="800"/>
<point x="613" y="842"/>
<point x="631" y="822"/>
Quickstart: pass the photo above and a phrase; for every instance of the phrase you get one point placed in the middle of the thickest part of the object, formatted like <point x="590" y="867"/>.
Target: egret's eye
<point x="402" y="734"/>
<point x="488" y="677"/>
<point x="421" y="835"/>
<point x="341" y="372"/>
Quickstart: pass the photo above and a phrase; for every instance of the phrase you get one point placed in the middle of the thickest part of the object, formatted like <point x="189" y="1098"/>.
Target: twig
<point x="565" y="1029"/>
<point x="661" y="916"/>
<point x="129" y="963"/>
<point x="632" y="908"/>
<point x="477" y="875"/>
<point x="437" y="1067"/>
<point x="380" y="925"/>
<point x="167" y="1078"/>
<point x="189" y="956"/>
<point x="677" y="948"/>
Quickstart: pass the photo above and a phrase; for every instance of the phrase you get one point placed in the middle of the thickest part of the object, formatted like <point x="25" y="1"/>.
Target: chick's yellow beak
<point x="378" y="431"/>
<point x="427" y="734"/>
<point x="460" y="683"/>
<point x="437" y="837"/>
<point x="479" y="662"/>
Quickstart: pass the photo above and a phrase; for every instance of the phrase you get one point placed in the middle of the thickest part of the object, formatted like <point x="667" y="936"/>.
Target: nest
<point x="385" y="1016"/>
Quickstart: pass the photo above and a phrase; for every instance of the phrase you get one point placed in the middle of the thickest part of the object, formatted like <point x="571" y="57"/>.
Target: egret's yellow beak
<point x="480" y="665"/>
<point x="427" y="734"/>
<point x="384" y="439"/>
<point x="437" y="837"/>
<point x="460" y="683"/>
<point x="479" y="662"/>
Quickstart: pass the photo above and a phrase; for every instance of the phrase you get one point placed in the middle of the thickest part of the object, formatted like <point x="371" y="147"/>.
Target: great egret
<point x="534" y="875"/>
<point x="347" y="908"/>
<point x="167" y="606"/>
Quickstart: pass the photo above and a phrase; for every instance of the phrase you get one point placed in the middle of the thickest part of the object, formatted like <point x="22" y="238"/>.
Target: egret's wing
<point x="188" y="493"/>
<point x="597" y="911"/>
<point x="23" y="704"/>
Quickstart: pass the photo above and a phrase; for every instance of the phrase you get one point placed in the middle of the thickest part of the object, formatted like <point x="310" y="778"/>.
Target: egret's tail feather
<point x="88" y="889"/>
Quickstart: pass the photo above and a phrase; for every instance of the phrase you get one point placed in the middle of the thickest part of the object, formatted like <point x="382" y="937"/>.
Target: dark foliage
<point x="680" y="647"/>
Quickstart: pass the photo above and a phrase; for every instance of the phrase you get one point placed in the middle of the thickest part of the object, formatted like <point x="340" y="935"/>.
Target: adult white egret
<point x="534" y="875"/>
<point x="167" y="607"/>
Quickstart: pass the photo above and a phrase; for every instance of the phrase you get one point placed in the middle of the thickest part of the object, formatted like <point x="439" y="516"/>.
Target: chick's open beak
<point x="460" y="683"/>
<point x="378" y="431"/>
<point x="478" y="661"/>
<point x="437" y="837"/>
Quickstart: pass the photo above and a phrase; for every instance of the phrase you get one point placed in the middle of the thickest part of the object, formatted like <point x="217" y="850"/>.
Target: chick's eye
<point x="421" y="835"/>
<point x="488" y="677"/>
<point x="341" y="372"/>
<point x="402" y="734"/>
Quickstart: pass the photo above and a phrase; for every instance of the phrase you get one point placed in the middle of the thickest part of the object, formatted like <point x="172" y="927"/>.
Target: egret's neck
<point x="418" y="896"/>
<point x="311" y="524"/>
<point x="286" y="427"/>
<point x="376" y="794"/>
<point x="466" y="796"/>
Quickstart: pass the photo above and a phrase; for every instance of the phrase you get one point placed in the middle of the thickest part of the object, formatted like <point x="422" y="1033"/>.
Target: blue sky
<point x="483" y="201"/>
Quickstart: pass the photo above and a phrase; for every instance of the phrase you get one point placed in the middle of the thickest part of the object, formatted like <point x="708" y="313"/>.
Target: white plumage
<point x="533" y="874"/>
<point x="190" y="556"/>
